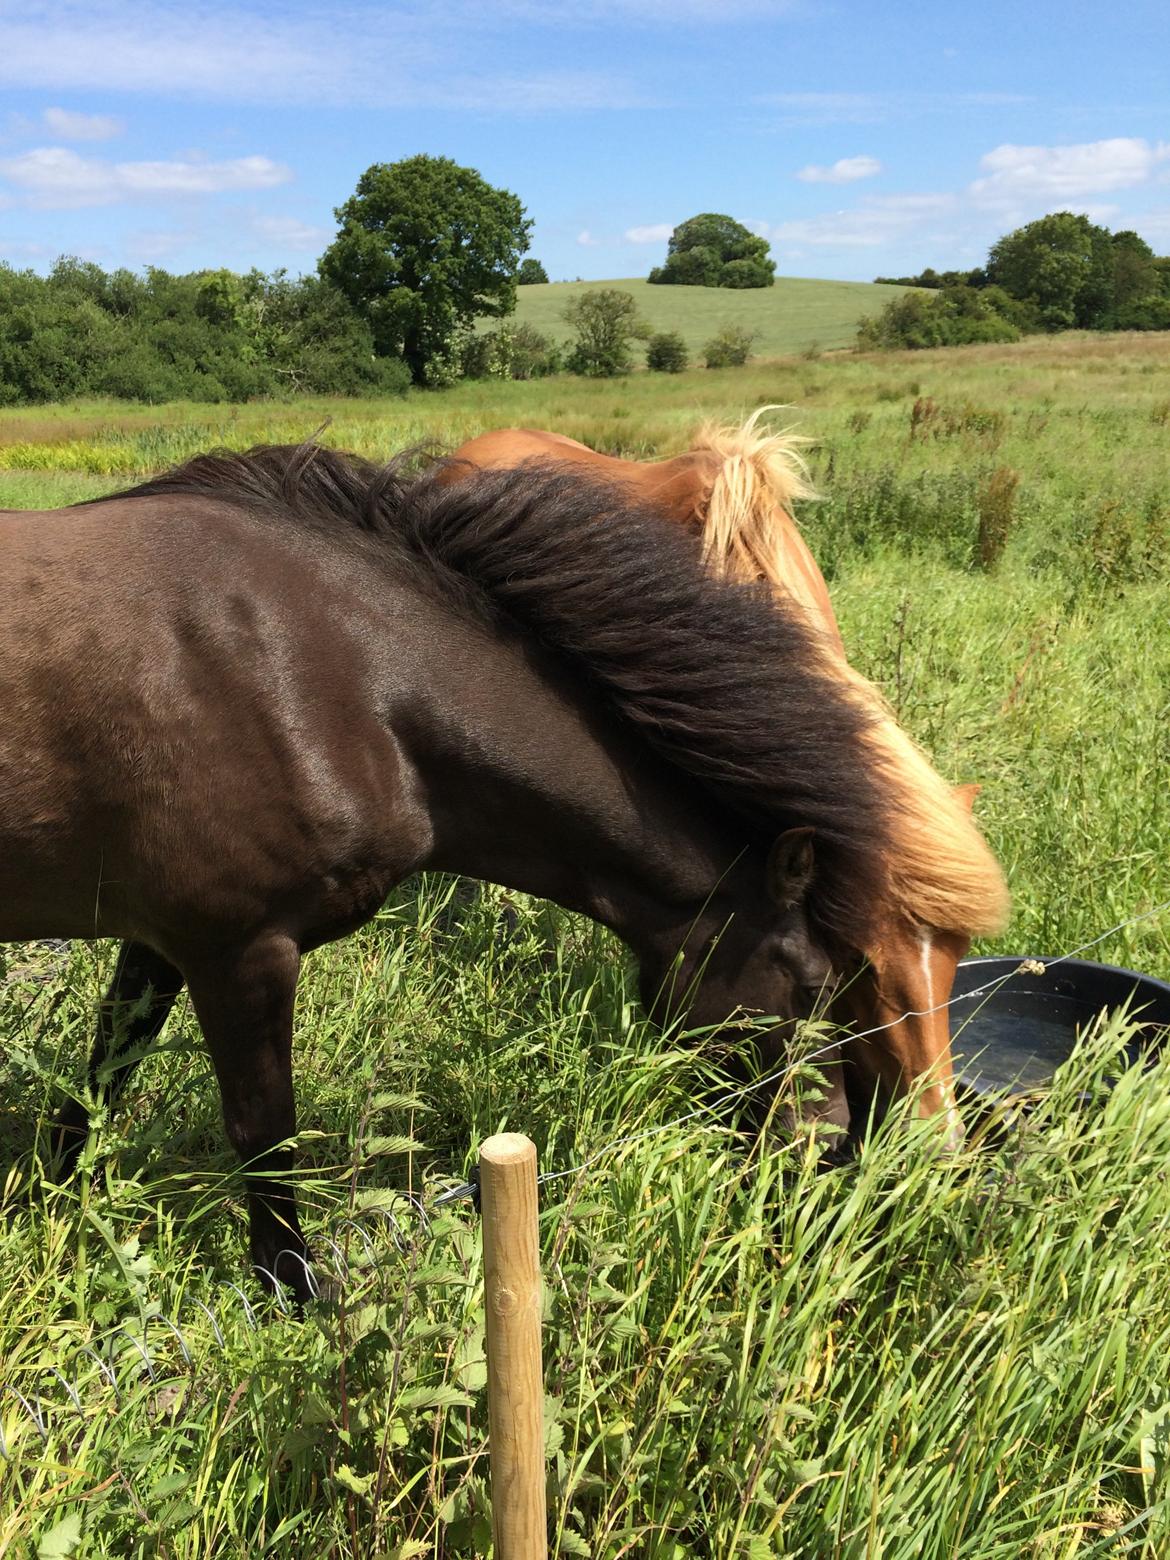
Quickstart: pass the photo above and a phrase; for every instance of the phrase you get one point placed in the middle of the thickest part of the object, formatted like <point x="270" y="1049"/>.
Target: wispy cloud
<point x="827" y="108"/>
<point x="55" y="177"/>
<point x="671" y="13"/>
<point x="151" y="245"/>
<point x="653" y="233"/>
<point x="67" y="125"/>
<point x="873" y="108"/>
<point x="846" y="170"/>
<point x="23" y="249"/>
<point x="1063" y="173"/>
<point x="220" y="52"/>
<point x="292" y="233"/>
<point x="878" y="220"/>
<point x="587" y="241"/>
<point x="1154" y="226"/>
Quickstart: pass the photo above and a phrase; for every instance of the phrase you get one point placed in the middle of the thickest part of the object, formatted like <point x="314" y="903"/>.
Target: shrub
<point x="512" y="352"/>
<point x="530" y="273"/>
<point x="477" y="354"/>
<point x="606" y="321"/>
<point x="952" y="316"/>
<point x="1151" y="313"/>
<point x="534" y="355"/>
<point x="666" y="352"/>
<point x="696" y="267"/>
<point x="730" y="347"/>
<point x="753" y="271"/>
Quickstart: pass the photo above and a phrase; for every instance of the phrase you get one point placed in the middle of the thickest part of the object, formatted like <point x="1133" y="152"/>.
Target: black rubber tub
<point x="1013" y="1038"/>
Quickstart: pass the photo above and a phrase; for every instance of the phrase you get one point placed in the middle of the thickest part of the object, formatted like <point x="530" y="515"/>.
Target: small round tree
<point x="606" y="321"/>
<point x="713" y="250"/>
<point x="530" y="273"/>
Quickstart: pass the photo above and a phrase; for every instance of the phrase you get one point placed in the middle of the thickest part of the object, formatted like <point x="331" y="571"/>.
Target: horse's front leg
<point x="130" y="1019"/>
<point x="244" y="1003"/>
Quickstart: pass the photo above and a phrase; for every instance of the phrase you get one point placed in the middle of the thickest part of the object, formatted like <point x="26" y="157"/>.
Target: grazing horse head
<point x="735" y="489"/>
<point x="768" y="960"/>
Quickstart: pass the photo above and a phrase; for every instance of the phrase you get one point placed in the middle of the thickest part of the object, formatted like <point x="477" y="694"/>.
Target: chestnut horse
<point x="735" y="490"/>
<point x="240" y="702"/>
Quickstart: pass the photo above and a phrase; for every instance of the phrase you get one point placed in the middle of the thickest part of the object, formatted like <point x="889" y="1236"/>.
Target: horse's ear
<point x="965" y="794"/>
<point x="790" y="868"/>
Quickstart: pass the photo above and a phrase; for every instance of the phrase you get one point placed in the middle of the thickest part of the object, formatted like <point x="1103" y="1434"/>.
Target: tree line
<point x="209" y="336"/>
<point x="425" y="250"/>
<point x="1062" y="272"/>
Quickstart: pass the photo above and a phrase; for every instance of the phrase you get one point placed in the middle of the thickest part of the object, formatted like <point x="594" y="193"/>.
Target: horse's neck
<point x="532" y="786"/>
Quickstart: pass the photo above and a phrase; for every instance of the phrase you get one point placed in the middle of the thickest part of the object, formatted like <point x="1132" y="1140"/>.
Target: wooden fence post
<point x="511" y="1260"/>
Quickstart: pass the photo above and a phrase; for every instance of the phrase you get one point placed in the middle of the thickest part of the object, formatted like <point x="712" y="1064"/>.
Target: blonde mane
<point x="758" y="473"/>
<point x="943" y="875"/>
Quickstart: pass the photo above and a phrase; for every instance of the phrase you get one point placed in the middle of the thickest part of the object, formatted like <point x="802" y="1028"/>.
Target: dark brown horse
<point x="240" y="702"/>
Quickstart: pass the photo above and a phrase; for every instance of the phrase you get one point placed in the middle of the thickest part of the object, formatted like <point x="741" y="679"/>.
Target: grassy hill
<point x="790" y="316"/>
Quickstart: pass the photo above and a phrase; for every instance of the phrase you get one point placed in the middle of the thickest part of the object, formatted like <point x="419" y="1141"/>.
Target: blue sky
<point x="860" y="140"/>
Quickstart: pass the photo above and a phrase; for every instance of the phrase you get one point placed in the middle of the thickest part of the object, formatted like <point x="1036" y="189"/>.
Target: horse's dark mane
<point x="720" y="678"/>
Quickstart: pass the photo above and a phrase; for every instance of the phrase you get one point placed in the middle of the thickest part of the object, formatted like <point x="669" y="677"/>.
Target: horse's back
<point x="180" y="742"/>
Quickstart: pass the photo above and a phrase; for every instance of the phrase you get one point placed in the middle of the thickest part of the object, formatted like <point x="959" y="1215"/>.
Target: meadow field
<point x="795" y="314"/>
<point x="914" y="1358"/>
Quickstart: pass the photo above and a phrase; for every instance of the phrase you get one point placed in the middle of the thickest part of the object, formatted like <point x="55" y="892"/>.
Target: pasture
<point x="795" y="314"/>
<point x="916" y="1358"/>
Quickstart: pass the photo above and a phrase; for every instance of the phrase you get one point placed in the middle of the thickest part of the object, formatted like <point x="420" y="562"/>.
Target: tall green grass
<point x="915" y="1357"/>
<point x="918" y="1356"/>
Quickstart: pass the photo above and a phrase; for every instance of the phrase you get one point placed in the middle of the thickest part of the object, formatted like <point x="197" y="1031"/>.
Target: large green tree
<point x="1062" y="263"/>
<point x="424" y="247"/>
<point x="712" y="250"/>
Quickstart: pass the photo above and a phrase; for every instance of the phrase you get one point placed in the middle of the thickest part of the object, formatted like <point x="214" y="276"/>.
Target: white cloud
<point x="67" y="125"/>
<point x="292" y="233"/>
<point x="654" y="233"/>
<point x="844" y="171"/>
<point x="1064" y="173"/>
<point x="587" y="241"/>
<point x="53" y="177"/>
